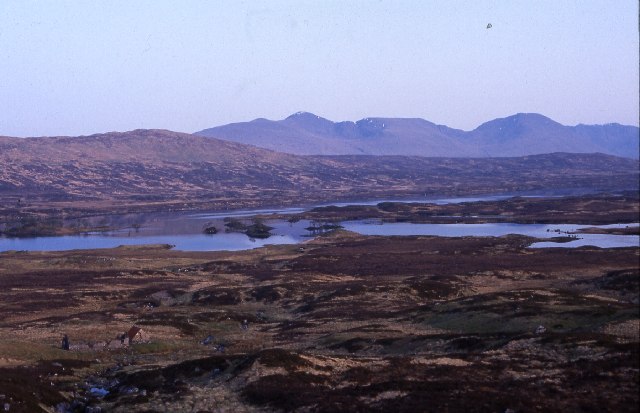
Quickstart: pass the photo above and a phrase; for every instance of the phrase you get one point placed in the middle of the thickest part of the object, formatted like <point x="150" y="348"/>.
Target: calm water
<point x="184" y="231"/>
<point x="500" y="229"/>
<point x="284" y="233"/>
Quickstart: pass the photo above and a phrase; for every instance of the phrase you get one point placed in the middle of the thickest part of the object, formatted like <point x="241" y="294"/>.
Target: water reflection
<point x="185" y="230"/>
<point x="291" y="233"/>
<point x="500" y="229"/>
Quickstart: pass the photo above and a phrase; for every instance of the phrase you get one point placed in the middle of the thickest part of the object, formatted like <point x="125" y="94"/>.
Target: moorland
<point x="344" y="322"/>
<point x="155" y="170"/>
<point x="341" y="322"/>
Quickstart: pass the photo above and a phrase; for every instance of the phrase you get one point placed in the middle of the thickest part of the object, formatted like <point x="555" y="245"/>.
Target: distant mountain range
<point x="522" y="134"/>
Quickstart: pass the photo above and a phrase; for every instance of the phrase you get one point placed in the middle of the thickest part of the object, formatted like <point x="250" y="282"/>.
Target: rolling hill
<point x="518" y="135"/>
<point x="162" y="169"/>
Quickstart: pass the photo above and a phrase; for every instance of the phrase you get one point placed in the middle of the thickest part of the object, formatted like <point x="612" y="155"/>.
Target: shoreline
<point x="581" y="209"/>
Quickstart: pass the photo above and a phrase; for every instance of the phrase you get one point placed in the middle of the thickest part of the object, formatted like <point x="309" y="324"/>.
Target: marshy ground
<point x="341" y="323"/>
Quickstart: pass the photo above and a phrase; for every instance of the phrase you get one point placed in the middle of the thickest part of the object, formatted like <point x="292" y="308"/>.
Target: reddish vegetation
<point x="163" y="170"/>
<point x="350" y="323"/>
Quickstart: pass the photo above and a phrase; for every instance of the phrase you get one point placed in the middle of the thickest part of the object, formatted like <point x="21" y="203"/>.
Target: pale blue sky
<point x="82" y="67"/>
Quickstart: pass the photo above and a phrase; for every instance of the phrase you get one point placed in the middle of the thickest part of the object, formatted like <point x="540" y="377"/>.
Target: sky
<point x="83" y="67"/>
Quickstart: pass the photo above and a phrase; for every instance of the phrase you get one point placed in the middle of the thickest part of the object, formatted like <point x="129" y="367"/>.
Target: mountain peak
<point x="517" y="124"/>
<point x="532" y="117"/>
<point x="528" y="115"/>
<point x="308" y="122"/>
<point x="523" y="117"/>
<point x="302" y="115"/>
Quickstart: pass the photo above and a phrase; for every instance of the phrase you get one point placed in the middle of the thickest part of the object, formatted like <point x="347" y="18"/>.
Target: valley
<point x="342" y="321"/>
<point x="319" y="207"/>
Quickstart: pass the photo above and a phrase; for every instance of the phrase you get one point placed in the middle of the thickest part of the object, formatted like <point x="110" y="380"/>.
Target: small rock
<point x="540" y="330"/>
<point x="129" y="390"/>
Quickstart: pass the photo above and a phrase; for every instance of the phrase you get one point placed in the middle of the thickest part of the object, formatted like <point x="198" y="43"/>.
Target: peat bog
<point x="341" y="323"/>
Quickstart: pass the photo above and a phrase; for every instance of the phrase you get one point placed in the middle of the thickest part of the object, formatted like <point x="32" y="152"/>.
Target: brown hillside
<point x="157" y="168"/>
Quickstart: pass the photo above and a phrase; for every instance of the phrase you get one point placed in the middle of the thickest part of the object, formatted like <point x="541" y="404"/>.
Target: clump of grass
<point x="29" y="353"/>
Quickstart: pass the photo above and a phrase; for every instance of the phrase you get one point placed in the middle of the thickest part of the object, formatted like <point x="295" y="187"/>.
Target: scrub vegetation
<point x="340" y="323"/>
